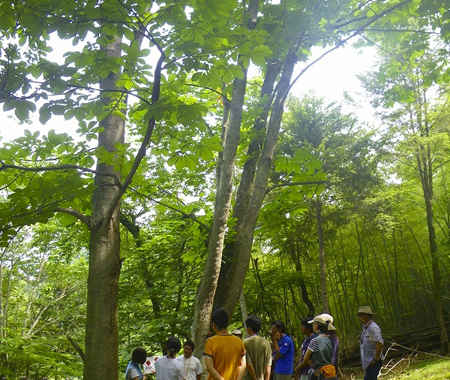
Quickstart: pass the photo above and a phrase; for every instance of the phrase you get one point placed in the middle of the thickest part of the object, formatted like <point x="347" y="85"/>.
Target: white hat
<point x="327" y="318"/>
<point x="365" y="310"/>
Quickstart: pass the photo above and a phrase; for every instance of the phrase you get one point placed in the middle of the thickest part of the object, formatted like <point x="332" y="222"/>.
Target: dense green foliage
<point x="367" y="179"/>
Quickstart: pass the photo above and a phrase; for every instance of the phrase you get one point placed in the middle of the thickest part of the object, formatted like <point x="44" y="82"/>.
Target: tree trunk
<point x="244" y="190"/>
<point x="233" y="280"/>
<point x="104" y="250"/>
<point x="322" y="259"/>
<point x="208" y="284"/>
<point x="427" y="187"/>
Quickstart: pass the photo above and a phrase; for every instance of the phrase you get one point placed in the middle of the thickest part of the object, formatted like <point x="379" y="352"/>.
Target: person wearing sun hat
<point x="320" y="350"/>
<point x="371" y="343"/>
<point x="332" y="335"/>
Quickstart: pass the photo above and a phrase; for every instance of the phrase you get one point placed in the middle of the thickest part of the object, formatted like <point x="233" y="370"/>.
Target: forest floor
<point x="407" y="368"/>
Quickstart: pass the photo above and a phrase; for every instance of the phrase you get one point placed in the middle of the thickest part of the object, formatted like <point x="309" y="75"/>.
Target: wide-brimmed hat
<point x="365" y="310"/>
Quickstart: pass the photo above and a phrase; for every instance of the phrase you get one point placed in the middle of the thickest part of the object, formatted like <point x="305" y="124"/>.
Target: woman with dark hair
<point x="320" y="351"/>
<point x="167" y="367"/>
<point x="134" y="368"/>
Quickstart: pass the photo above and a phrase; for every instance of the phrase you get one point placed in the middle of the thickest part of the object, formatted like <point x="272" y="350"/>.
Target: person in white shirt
<point x="192" y="368"/>
<point x="168" y="367"/>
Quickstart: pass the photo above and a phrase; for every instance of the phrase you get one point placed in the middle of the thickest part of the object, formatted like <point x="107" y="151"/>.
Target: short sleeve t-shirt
<point x="133" y="371"/>
<point x="226" y="352"/>
<point x="321" y="351"/>
<point x="370" y="336"/>
<point x="168" y="369"/>
<point x="285" y="364"/>
<point x="191" y="367"/>
<point x="259" y="354"/>
<point x="304" y="348"/>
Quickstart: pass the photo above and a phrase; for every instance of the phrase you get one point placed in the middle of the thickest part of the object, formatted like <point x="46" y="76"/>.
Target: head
<point x="278" y="328"/>
<point x="320" y="324"/>
<point x="253" y="324"/>
<point x="188" y="348"/>
<point x="139" y="355"/>
<point x="219" y="320"/>
<point x="173" y="345"/>
<point x="306" y="327"/>
<point x="365" y="314"/>
<point x="364" y="318"/>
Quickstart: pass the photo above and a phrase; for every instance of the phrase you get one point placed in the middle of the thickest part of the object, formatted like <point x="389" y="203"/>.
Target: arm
<point x="267" y="373"/>
<point x="242" y="367"/>
<point x="276" y="348"/>
<point x="379" y="350"/>
<point x="375" y="335"/>
<point x="251" y="370"/>
<point x="305" y="362"/>
<point x="210" y="367"/>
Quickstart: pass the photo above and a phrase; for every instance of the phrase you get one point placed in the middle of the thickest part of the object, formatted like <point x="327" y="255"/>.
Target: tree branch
<point x="4" y="166"/>
<point x="145" y="142"/>
<point x="210" y="89"/>
<point x="342" y="42"/>
<point x="186" y="215"/>
<point x="295" y="184"/>
<point x="77" y="348"/>
<point x="84" y="218"/>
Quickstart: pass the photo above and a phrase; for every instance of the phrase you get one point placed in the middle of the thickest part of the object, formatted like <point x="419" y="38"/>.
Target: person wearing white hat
<point x="332" y="335"/>
<point x="320" y="351"/>
<point x="371" y="343"/>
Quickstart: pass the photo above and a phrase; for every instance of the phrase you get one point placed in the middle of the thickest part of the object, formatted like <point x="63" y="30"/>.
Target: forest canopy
<point x="184" y="175"/>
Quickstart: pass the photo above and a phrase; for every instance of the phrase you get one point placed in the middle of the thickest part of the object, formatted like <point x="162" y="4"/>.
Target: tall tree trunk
<point x="208" y="284"/>
<point x="104" y="250"/>
<point x="244" y="190"/>
<point x="424" y="165"/>
<point x="233" y="280"/>
<point x="322" y="258"/>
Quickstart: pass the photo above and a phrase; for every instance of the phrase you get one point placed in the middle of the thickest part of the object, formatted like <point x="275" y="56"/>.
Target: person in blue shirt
<point x="283" y="352"/>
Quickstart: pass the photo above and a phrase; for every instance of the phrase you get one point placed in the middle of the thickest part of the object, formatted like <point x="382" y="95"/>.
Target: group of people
<point x="228" y="357"/>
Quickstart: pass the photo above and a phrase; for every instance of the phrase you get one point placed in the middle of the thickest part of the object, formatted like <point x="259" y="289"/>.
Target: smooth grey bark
<point x="208" y="284"/>
<point x="101" y="351"/>
<point x="244" y="190"/>
<point x="232" y="281"/>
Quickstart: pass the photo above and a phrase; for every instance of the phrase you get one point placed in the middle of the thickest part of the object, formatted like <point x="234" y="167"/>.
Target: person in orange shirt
<point x="224" y="353"/>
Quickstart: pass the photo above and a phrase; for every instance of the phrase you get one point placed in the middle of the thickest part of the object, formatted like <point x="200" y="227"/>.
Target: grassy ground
<point x="422" y="369"/>
<point x="407" y="369"/>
